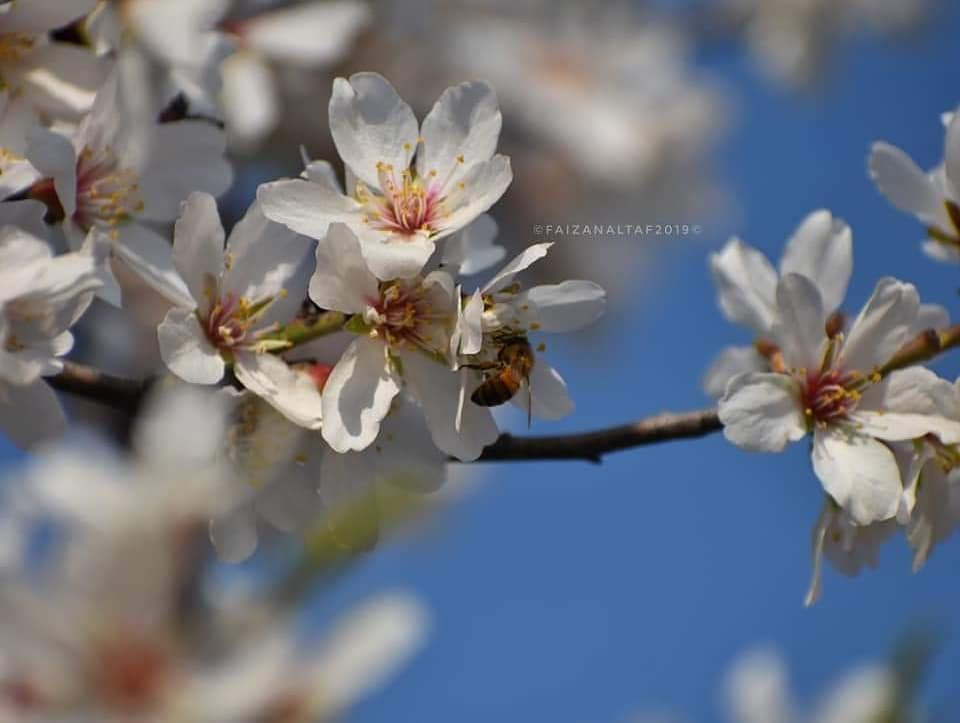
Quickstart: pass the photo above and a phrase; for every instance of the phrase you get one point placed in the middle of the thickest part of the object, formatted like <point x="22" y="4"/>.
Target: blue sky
<point x="569" y="592"/>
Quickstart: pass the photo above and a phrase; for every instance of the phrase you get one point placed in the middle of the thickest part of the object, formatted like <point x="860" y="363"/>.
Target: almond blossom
<point x="115" y="175"/>
<point x="397" y="205"/>
<point x="298" y="483"/>
<point x="833" y="386"/>
<point x="821" y="249"/>
<point x="41" y="297"/>
<point x="933" y="197"/>
<point x="54" y="79"/>
<point x="101" y="626"/>
<point x="241" y="296"/>
<point x="502" y="312"/>
<point x="405" y="333"/>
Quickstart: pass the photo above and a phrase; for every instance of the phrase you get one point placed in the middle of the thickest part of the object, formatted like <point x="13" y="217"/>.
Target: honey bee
<point x="505" y="376"/>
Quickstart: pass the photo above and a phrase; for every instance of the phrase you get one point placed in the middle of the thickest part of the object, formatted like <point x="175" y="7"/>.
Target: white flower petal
<point x="482" y="186"/>
<point x="729" y="363"/>
<point x="184" y="156"/>
<point x="562" y="307"/>
<point x="546" y="393"/>
<point x="822" y="250"/>
<point x="53" y="156"/>
<point x="306" y="207"/>
<point x="746" y="285"/>
<point x="799" y="328"/>
<point x="150" y="256"/>
<point x="292" y="393"/>
<point x="858" y="472"/>
<point x="439" y="392"/>
<point x="396" y="257"/>
<point x="37" y="16"/>
<point x="470" y="325"/>
<point x="523" y="260"/>
<point x="341" y="280"/>
<point x="464" y="124"/>
<point x="357" y="396"/>
<point x="185" y="349"/>
<point x="198" y="239"/>
<point x="371" y="124"/>
<point x="249" y="97"/>
<point x="267" y="259"/>
<point x="311" y="34"/>
<point x="882" y="327"/>
<point x="906" y="186"/>
<point x="472" y="249"/>
<point x="951" y="153"/>
<point x="761" y="412"/>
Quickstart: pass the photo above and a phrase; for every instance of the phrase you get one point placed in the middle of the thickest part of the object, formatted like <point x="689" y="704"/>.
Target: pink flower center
<point x="411" y="204"/>
<point x="404" y="316"/>
<point x="107" y="195"/>
<point x="226" y="325"/>
<point x="829" y="395"/>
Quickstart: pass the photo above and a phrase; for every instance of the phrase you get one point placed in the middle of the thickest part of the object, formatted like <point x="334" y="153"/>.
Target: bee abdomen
<point x="496" y="390"/>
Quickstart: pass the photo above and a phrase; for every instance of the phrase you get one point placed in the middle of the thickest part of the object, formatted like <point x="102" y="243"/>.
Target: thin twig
<point x="126" y="394"/>
<point x="591" y="446"/>
<point x="83" y="381"/>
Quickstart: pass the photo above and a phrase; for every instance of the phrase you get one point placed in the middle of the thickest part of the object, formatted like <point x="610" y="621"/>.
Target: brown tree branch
<point x="126" y="394"/>
<point x="591" y="446"/>
<point x="80" y="380"/>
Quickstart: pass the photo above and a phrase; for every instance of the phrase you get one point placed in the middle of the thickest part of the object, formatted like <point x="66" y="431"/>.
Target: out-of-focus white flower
<point x="821" y="249"/>
<point x="313" y="34"/>
<point x="240" y="295"/>
<point x="41" y="297"/>
<point x="298" y="483"/>
<point x="405" y="329"/>
<point x="114" y="174"/>
<point x="848" y="546"/>
<point x="932" y="197"/>
<point x="792" y="39"/>
<point x="930" y="510"/>
<point x="103" y="626"/>
<point x="279" y="678"/>
<point x="495" y="324"/>
<point x="397" y="206"/>
<point x="757" y="691"/>
<point x="54" y="80"/>
<point x="222" y="63"/>
<point x="829" y="384"/>
<point x="180" y="36"/>
<point x="614" y="95"/>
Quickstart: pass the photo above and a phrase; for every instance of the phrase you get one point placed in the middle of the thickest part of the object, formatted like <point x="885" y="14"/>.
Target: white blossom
<point x="404" y="339"/>
<point x="52" y="79"/>
<point x="933" y="197"/>
<point x="400" y="207"/>
<point x="829" y="384"/>
<point x="115" y="175"/>
<point x="501" y="313"/>
<point x="41" y="297"/>
<point x="241" y="295"/>
<point x="821" y="249"/>
<point x="298" y="483"/>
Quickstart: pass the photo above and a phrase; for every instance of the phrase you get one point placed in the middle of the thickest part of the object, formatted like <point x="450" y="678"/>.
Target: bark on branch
<point x="126" y="395"/>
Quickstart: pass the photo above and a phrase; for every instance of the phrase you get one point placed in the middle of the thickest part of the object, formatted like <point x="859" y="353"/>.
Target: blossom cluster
<point x="884" y="429"/>
<point x="337" y="318"/>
